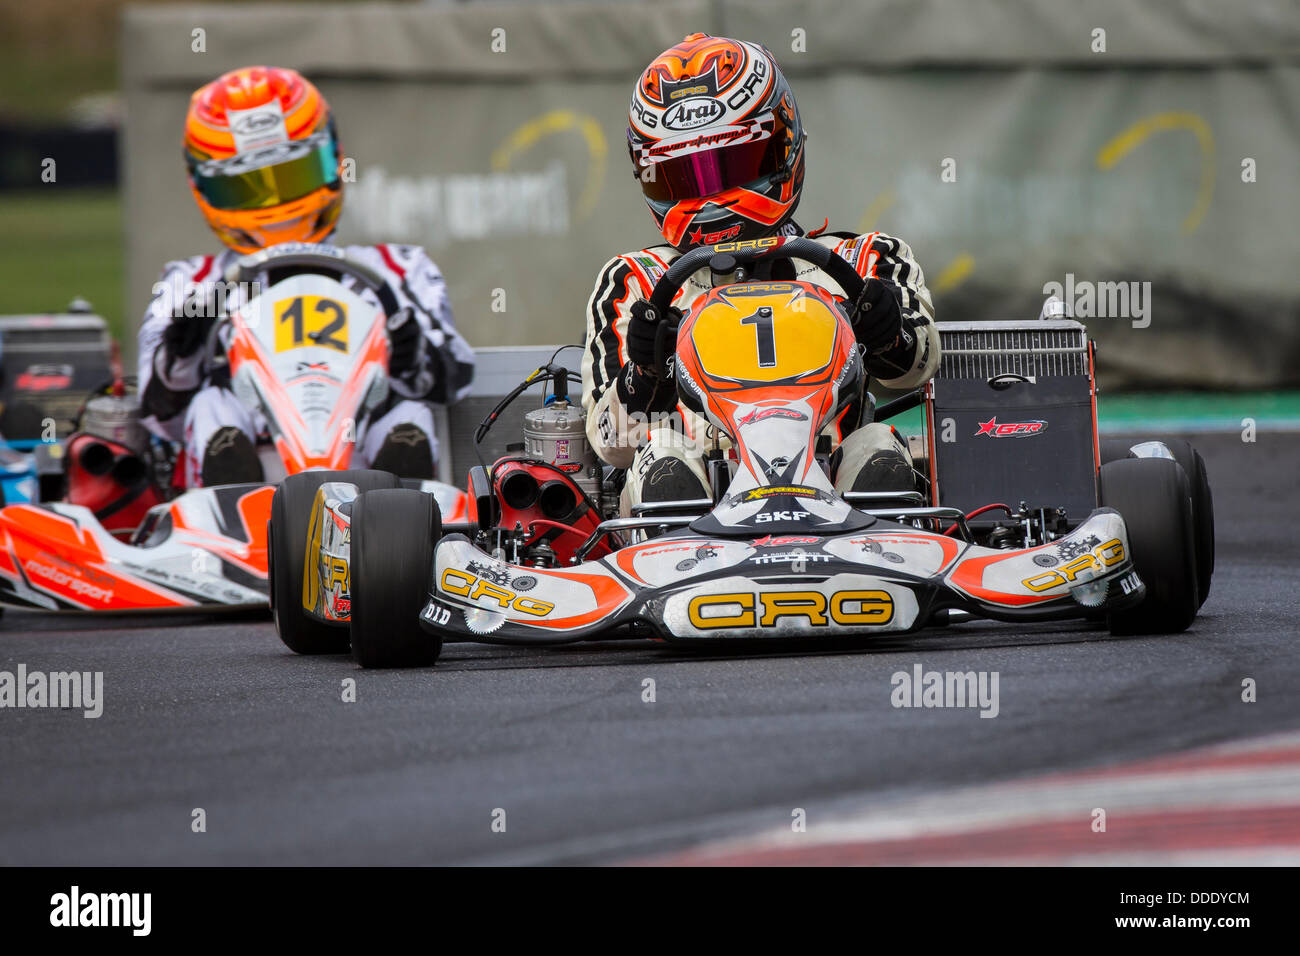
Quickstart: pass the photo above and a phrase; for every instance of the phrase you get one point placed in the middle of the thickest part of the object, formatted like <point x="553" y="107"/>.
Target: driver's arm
<point x="169" y="345"/>
<point x="914" y="357"/>
<point x="443" y="368"/>
<point x="612" y="428"/>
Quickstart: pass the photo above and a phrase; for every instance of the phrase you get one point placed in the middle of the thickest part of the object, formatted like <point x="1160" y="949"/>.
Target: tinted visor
<point x="713" y="160"/>
<point x="269" y="175"/>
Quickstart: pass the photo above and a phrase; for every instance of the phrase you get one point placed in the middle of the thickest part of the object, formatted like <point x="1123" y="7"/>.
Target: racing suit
<point x="627" y="440"/>
<point x="182" y="404"/>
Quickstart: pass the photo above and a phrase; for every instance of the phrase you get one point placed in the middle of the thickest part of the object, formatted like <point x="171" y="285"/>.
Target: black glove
<point x="404" y="337"/>
<point x="184" y="334"/>
<point x="642" y="391"/>
<point x="877" y="319"/>
<point x="642" y="330"/>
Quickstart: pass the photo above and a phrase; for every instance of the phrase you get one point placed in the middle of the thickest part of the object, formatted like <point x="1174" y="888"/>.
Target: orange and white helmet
<point x="716" y="142"/>
<point x="263" y="158"/>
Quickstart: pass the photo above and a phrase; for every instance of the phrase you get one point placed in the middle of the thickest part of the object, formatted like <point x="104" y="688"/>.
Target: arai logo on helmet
<point x="256" y="123"/>
<point x="995" y="429"/>
<point x="693" y="113"/>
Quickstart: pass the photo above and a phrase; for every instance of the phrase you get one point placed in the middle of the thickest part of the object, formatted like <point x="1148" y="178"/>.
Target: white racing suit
<point x="182" y="405"/>
<point x="626" y="440"/>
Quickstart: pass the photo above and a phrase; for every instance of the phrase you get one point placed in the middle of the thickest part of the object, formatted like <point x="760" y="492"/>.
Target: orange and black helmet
<point x="263" y="158"/>
<point x="716" y="142"/>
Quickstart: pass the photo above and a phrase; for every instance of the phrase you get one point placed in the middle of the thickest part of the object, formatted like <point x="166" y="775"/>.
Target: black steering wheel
<point x="661" y="298"/>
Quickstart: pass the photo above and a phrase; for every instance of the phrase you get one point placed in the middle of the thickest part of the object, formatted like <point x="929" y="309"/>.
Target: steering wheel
<point x="661" y="298"/>
<point x="308" y="257"/>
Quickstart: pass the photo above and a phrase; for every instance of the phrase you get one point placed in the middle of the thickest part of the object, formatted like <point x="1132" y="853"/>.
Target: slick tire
<point x="1202" y="499"/>
<point x="1153" y="497"/>
<point x="286" y="550"/>
<point x="393" y="537"/>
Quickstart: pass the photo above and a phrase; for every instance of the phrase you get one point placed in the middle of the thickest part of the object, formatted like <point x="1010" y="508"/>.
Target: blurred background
<point x="1012" y="143"/>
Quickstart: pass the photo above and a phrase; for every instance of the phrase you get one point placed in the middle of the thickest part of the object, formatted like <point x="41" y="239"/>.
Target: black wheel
<point x="286" y="553"/>
<point x="1153" y="497"/>
<point x="1202" y="500"/>
<point x="1203" y="511"/>
<point x="393" y="536"/>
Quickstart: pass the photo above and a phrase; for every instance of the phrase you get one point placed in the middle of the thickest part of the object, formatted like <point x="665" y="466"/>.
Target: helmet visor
<point x="269" y="175"/>
<point x="713" y="160"/>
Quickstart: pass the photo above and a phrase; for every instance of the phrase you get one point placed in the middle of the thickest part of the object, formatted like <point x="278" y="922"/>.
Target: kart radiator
<point x="1011" y="415"/>
<point x="47" y="365"/>
<point x="974" y="351"/>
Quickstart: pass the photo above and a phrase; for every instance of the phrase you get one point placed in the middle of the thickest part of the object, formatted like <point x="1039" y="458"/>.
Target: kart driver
<point x="718" y="147"/>
<point x="265" y="167"/>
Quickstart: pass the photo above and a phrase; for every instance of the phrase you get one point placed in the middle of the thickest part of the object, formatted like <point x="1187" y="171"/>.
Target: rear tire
<point x="1153" y="497"/>
<point x="1113" y="449"/>
<point x="393" y="537"/>
<point x="286" y="554"/>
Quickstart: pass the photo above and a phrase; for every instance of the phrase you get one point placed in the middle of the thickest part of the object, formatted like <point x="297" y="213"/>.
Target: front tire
<point x="393" y="537"/>
<point x="1153" y="497"/>
<point x="287" y="557"/>
<point x="1114" y="449"/>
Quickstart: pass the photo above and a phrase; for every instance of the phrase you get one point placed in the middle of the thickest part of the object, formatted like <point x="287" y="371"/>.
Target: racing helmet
<point x="716" y="142"/>
<point x="263" y="158"/>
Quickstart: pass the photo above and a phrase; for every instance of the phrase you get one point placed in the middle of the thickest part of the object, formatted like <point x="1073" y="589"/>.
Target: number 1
<point x="765" y="333"/>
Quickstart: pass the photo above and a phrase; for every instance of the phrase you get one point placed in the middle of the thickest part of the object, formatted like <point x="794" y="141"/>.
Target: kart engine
<point x="546" y="494"/>
<point x="107" y="462"/>
<point x="557" y="433"/>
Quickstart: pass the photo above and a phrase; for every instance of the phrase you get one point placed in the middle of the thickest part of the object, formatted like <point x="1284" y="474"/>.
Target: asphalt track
<point x="216" y="714"/>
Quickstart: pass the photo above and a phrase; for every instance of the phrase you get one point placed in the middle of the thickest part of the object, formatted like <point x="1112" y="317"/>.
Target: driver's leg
<point x="667" y="467"/>
<point x="402" y="440"/>
<point x="873" y="458"/>
<point x="220" y="436"/>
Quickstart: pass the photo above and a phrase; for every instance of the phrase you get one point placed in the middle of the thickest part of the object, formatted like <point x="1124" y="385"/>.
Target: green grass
<point x="42" y="85"/>
<point x="59" y="244"/>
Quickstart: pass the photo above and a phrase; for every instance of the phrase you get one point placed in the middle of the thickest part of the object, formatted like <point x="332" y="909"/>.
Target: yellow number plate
<point x="762" y="339"/>
<point x="311" y="320"/>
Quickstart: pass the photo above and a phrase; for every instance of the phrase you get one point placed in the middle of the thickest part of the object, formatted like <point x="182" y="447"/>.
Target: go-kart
<point x="775" y="552"/>
<point x="118" y="531"/>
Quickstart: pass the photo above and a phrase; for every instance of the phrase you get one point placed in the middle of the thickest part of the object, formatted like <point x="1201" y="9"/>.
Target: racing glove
<point x="877" y="318"/>
<point x="404" y="337"/>
<point x="642" y="330"/>
<point x="644" y="385"/>
<point x="184" y="334"/>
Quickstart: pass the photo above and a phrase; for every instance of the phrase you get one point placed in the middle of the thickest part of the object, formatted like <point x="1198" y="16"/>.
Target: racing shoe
<point x="405" y="452"/>
<point x="230" y="459"/>
<point x="888" y="469"/>
<point x="671" y="479"/>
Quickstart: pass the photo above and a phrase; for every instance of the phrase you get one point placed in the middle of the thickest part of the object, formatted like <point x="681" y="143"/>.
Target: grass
<point x="60" y="244"/>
